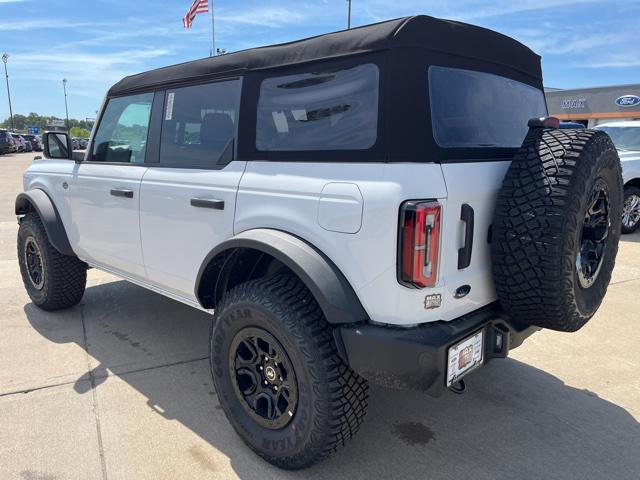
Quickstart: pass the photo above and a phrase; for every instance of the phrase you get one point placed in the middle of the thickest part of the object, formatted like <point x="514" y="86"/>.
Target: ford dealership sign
<point x="628" y="101"/>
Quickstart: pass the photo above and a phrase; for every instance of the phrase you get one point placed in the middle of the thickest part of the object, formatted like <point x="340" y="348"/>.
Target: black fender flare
<point x="48" y="213"/>
<point x="328" y="285"/>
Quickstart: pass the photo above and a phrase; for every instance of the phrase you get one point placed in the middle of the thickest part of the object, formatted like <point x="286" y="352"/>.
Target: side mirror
<point x="57" y="145"/>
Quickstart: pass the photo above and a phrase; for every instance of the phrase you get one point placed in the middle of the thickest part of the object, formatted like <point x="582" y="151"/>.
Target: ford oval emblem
<point x="628" y="101"/>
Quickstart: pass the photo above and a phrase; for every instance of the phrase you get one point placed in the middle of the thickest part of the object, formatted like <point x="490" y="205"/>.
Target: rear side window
<point x="199" y="124"/>
<point x="122" y="133"/>
<point x="475" y="109"/>
<point x="330" y="110"/>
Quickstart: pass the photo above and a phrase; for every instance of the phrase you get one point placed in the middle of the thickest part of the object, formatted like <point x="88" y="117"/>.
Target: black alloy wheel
<point x="264" y="379"/>
<point x="593" y="240"/>
<point x="33" y="261"/>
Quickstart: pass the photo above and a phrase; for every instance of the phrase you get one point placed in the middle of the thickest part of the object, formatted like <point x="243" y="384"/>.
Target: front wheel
<point x="278" y="376"/>
<point x="631" y="210"/>
<point x="53" y="281"/>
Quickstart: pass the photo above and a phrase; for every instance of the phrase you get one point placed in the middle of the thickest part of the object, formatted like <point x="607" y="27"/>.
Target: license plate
<point x="464" y="356"/>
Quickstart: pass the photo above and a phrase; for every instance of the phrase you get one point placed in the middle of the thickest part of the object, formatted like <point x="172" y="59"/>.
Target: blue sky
<point x="95" y="43"/>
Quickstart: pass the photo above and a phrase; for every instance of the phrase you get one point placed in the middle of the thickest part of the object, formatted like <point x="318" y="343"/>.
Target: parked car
<point x="33" y="141"/>
<point x="347" y="206"/>
<point x="7" y="144"/>
<point x="18" y="140"/>
<point x="626" y="137"/>
<point x="28" y="147"/>
<point x="21" y="145"/>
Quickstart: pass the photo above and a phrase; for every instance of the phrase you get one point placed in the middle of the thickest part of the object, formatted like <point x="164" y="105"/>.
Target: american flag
<point x="198" y="6"/>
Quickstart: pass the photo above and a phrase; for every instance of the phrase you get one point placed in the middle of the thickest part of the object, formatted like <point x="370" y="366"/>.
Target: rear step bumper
<point x="415" y="358"/>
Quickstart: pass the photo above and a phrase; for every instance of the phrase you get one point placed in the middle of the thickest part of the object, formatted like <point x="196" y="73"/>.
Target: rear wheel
<point x="53" y="281"/>
<point x="278" y="376"/>
<point x="631" y="210"/>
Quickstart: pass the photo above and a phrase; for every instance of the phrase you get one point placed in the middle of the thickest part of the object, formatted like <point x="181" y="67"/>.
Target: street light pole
<point x="66" y="109"/>
<point x="349" y="16"/>
<point x="5" y="59"/>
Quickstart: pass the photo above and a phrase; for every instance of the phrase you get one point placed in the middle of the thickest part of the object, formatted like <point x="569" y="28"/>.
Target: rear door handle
<point x="464" y="253"/>
<point x="122" y="193"/>
<point x="213" y="203"/>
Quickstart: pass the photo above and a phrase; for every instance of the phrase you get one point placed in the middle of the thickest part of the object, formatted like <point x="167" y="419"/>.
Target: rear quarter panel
<point x="288" y="196"/>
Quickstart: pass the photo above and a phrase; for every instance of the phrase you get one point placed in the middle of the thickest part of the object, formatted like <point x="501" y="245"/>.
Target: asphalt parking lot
<point x="119" y="388"/>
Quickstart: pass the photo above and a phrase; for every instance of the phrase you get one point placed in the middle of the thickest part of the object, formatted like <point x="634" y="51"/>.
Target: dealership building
<point x="593" y="106"/>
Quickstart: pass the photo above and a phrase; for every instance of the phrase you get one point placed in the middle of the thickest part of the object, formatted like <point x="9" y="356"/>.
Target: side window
<point x="199" y="124"/>
<point x="331" y="110"/>
<point x="122" y="133"/>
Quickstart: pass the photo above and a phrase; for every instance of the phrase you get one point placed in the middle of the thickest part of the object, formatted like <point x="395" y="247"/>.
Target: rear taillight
<point x="419" y="239"/>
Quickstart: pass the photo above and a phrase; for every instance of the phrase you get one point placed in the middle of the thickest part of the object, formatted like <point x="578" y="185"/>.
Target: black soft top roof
<point x="443" y="36"/>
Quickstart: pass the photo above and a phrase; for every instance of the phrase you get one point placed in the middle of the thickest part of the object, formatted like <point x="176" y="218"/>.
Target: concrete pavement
<point x="119" y="388"/>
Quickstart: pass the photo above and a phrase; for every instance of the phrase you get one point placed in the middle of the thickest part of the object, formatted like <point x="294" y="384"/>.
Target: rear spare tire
<point x="556" y="228"/>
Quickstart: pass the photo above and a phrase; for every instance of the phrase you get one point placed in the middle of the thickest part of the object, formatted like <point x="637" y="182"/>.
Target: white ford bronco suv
<point x="384" y="204"/>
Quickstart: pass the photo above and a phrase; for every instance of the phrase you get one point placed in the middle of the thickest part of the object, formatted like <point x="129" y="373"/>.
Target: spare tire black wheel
<point x="556" y="228"/>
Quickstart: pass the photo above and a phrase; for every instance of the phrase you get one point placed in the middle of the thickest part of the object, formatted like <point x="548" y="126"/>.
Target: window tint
<point x="199" y="124"/>
<point x="474" y="109"/>
<point x="122" y="133"/>
<point x="331" y="110"/>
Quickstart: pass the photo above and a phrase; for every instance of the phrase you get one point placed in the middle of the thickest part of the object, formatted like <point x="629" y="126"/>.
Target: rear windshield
<point x="319" y="110"/>
<point x="475" y="109"/>
<point x="624" y="138"/>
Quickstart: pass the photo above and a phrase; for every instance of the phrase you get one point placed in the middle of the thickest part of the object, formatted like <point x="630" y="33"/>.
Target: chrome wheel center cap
<point x="270" y="373"/>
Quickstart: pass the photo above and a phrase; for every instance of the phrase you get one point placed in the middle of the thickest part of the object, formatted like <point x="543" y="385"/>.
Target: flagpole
<point x="348" y="15"/>
<point x="213" y="31"/>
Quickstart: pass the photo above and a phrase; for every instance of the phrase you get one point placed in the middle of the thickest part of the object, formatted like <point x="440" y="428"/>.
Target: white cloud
<point x="22" y="25"/>
<point x="550" y="42"/>
<point x="272" y="17"/>
<point x="615" y="60"/>
<point x="463" y="10"/>
<point x="89" y="75"/>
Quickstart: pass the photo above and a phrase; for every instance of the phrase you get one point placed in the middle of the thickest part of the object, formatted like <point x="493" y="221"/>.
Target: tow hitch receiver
<point x="471" y="353"/>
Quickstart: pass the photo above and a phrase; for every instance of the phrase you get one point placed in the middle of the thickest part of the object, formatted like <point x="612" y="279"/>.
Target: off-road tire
<point x="538" y="222"/>
<point x="332" y="399"/>
<point x="64" y="276"/>
<point x="628" y="191"/>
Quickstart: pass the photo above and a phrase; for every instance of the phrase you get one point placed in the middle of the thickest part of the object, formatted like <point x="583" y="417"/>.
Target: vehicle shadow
<point x="515" y="421"/>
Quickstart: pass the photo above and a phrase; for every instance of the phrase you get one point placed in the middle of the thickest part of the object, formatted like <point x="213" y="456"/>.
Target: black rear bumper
<point x="415" y="358"/>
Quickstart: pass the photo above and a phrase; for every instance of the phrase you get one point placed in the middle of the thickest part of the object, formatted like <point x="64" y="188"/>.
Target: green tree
<point x="21" y="122"/>
<point x="79" y="132"/>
